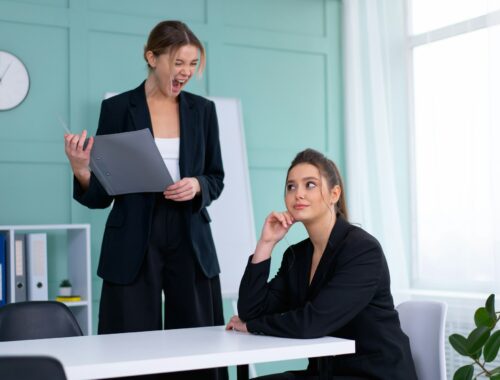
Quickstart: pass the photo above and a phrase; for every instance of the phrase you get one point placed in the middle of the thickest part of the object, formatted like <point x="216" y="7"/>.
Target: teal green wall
<point x="281" y="58"/>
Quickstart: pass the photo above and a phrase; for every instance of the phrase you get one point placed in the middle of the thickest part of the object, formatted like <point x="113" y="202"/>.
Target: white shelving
<point x="75" y="240"/>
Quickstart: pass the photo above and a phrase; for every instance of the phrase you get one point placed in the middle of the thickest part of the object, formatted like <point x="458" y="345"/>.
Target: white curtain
<point x="376" y="126"/>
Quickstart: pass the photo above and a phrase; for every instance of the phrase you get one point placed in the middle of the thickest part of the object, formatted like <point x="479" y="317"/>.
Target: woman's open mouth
<point x="177" y="84"/>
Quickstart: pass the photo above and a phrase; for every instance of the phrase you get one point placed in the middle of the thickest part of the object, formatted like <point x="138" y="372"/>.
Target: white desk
<point x="115" y="355"/>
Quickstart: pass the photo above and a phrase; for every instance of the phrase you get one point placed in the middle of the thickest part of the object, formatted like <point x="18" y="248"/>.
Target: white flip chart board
<point x="232" y="224"/>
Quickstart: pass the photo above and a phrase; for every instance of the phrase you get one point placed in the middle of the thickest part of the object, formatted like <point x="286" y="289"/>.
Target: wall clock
<point x="14" y="81"/>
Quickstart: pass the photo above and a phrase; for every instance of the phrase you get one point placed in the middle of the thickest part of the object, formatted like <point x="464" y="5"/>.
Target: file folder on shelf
<point x="3" y="271"/>
<point x="19" y="269"/>
<point x="36" y="259"/>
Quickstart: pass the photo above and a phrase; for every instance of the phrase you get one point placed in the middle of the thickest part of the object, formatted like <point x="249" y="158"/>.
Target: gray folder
<point x="20" y="268"/>
<point x="129" y="162"/>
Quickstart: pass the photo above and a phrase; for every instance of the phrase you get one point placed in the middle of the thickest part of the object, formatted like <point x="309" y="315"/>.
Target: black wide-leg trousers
<point x="169" y="267"/>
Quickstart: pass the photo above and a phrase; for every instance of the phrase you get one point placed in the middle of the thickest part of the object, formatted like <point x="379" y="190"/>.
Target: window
<point x="455" y="50"/>
<point x="428" y="15"/>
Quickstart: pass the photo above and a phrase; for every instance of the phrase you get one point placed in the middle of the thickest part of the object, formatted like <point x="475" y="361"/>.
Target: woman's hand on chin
<point x="276" y="226"/>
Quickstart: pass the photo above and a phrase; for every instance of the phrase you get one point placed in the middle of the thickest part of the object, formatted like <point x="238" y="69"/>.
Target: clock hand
<point x="5" y="71"/>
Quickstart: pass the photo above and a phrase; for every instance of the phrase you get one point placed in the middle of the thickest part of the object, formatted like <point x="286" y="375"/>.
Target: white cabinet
<point x="68" y="256"/>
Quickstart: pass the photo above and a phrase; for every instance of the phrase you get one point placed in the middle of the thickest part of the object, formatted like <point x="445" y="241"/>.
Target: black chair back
<point x="31" y="368"/>
<point x="37" y="320"/>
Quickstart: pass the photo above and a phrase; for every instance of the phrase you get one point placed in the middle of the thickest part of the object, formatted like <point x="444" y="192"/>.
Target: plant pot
<point x="65" y="292"/>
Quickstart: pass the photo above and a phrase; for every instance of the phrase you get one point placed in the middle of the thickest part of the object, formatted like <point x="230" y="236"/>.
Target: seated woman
<point x="334" y="283"/>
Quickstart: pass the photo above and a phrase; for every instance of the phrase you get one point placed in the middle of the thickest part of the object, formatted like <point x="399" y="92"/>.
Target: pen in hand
<point x="63" y="124"/>
<point x="66" y="129"/>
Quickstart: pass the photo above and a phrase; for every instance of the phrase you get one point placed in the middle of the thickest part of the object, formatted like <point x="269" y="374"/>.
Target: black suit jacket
<point x="349" y="297"/>
<point x="128" y="226"/>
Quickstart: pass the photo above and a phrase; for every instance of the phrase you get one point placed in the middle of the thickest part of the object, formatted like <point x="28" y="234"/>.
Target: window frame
<point x="485" y="21"/>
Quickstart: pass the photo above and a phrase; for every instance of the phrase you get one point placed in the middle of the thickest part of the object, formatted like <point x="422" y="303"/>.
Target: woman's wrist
<point x="263" y="251"/>
<point x="197" y="185"/>
<point x="83" y="177"/>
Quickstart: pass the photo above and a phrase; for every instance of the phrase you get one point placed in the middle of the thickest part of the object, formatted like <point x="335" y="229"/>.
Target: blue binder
<point x="3" y="270"/>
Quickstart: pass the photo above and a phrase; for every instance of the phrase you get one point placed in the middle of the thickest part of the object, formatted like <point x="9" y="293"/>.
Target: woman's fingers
<point x="183" y="190"/>
<point x="67" y="138"/>
<point x="233" y="322"/>
<point x="79" y="157"/>
<point x="289" y="218"/>
<point x="276" y="217"/>
<point x="74" y="141"/>
<point x="283" y="218"/>
<point x="180" y="197"/>
<point x="90" y="144"/>
<point x="81" y="140"/>
<point x="178" y="187"/>
<point x="237" y="324"/>
<point x="77" y="142"/>
<point x="180" y="193"/>
<point x="74" y="145"/>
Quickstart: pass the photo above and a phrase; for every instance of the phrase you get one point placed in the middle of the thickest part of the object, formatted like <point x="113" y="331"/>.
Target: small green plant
<point x="65" y="283"/>
<point x="481" y="345"/>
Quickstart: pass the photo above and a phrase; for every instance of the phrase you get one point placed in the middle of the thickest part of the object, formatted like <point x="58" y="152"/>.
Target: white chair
<point x="424" y="323"/>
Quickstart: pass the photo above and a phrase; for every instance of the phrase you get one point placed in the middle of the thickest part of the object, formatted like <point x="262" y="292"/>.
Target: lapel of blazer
<point x="139" y="118"/>
<point x="188" y="121"/>
<point x="139" y="111"/>
<point x="304" y="260"/>
<point x="329" y="258"/>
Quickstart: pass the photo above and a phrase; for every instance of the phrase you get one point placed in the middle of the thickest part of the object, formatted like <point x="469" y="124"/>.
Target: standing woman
<point x="158" y="243"/>
<point x="336" y="282"/>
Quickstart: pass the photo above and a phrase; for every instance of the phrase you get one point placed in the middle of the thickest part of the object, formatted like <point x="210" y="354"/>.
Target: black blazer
<point x="128" y="225"/>
<point x="349" y="297"/>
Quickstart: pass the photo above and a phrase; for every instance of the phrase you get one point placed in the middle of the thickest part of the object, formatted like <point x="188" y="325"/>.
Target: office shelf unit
<point x="74" y="239"/>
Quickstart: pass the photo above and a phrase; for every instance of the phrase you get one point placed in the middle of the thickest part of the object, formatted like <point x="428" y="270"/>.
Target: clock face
<point x="14" y="81"/>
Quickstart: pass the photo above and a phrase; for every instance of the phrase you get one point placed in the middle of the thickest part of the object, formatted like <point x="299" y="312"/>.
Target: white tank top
<point x="169" y="150"/>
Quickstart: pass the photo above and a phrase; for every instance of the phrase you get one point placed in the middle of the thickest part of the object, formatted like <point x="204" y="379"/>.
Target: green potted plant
<point x="481" y="345"/>
<point x="65" y="288"/>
